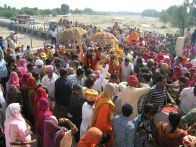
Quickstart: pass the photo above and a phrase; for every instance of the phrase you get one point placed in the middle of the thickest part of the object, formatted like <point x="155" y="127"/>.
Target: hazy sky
<point x="100" y="5"/>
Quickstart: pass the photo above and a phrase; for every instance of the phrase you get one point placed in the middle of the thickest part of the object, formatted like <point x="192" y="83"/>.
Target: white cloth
<point x="120" y="38"/>
<point x="101" y="81"/>
<point x="3" y="68"/>
<point x="87" y="112"/>
<point x="188" y="100"/>
<point x="50" y="84"/>
<point x="2" y="101"/>
<point x="126" y="70"/>
<point x="66" y="141"/>
<point x="130" y="95"/>
<point x="54" y="33"/>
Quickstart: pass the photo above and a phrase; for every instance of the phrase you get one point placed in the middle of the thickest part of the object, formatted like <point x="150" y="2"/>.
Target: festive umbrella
<point x="103" y="38"/>
<point x="133" y="36"/>
<point x="70" y="34"/>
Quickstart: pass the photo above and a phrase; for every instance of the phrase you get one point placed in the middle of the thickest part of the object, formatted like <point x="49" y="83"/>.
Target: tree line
<point x="11" y="12"/>
<point x="180" y="16"/>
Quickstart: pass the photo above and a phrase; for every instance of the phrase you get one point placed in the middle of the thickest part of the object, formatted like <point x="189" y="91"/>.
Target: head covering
<point x="31" y="83"/>
<point x="90" y="95"/>
<point x="39" y="62"/>
<point x="14" y="79"/>
<point x="132" y="81"/>
<point x="13" y="112"/>
<point x="51" y="127"/>
<point x="40" y="93"/>
<point x="22" y="66"/>
<point x="164" y="66"/>
<point x="43" y="113"/>
<point x="159" y="57"/>
<point x="92" y="137"/>
<point x="177" y="73"/>
<point x="24" y="80"/>
<point x="49" y="68"/>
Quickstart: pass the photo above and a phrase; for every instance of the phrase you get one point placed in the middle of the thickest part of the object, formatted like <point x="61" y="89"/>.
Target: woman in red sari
<point x="40" y="93"/>
<point x="168" y="134"/>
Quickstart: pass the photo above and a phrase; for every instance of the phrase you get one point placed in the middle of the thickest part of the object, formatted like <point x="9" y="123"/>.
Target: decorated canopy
<point x="104" y="38"/>
<point x="70" y="34"/>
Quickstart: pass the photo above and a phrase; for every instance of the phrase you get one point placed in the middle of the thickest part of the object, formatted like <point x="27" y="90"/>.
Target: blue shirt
<point x="124" y="131"/>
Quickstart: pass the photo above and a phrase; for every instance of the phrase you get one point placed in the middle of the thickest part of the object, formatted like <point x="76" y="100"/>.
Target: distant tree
<point x="35" y="9"/>
<point x="171" y="10"/>
<point x="77" y="11"/>
<point x="88" y="11"/>
<point x="5" y="6"/>
<point x="181" y="18"/>
<point x="150" y="13"/>
<point x="164" y="17"/>
<point x="193" y="12"/>
<point x="64" y="8"/>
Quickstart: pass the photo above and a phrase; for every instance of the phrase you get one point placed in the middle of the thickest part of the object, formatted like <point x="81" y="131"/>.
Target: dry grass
<point x="101" y="22"/>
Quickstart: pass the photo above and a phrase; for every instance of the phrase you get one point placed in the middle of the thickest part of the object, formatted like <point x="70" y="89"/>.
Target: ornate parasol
<point x="70" y="34"/>
<point x="104" y="38"/>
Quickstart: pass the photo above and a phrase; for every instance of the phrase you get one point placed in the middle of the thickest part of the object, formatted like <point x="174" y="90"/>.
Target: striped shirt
<point x="157" y="96"/>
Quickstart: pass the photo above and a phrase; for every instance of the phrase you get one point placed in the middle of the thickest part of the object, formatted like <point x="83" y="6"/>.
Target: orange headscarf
<point x="91" y="138"/>
<point x="101" y="100"/>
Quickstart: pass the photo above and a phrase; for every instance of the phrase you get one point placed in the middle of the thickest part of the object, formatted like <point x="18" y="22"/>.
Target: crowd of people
<point x="145" y="97"/>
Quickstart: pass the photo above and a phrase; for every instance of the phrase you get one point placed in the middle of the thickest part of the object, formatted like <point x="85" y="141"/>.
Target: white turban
<point x="39" y="62"/>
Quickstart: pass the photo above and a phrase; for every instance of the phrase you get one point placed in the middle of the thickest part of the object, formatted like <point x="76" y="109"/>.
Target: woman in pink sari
<point x="22" y="66"/>
<point x="13" y="94"/>
<point x="43" y="113"/>
<point x="16" y="129"/>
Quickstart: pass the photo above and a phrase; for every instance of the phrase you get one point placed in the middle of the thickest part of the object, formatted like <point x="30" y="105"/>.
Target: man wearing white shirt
<point x="121" y="37"/>
<point x="127" y="68"/>
<point x="188" y="99"/>
<point x="131" y="91"/>
<point x="49" y="79"/>
<point x="87" y="110"/>
<point x="101" y="81"/>
<point x="54" y="34"/>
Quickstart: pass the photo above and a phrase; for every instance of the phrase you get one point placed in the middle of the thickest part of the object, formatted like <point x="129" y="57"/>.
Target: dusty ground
<point x="102" y="22"/>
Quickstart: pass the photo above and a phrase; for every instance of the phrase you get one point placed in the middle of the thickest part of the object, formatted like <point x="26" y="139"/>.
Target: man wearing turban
<point x="87" y="110"/>
<point x="131" y="91"/>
